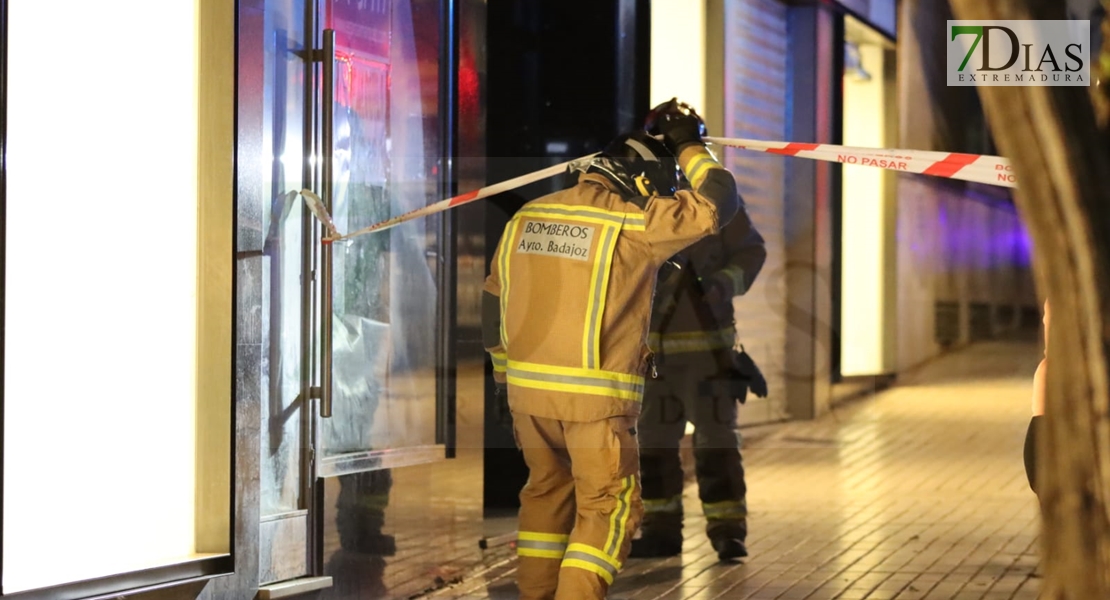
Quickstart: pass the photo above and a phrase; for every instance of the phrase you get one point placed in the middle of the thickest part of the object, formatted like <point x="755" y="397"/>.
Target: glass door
<point x="352" y="334"/>
<point x="385" y="288"/>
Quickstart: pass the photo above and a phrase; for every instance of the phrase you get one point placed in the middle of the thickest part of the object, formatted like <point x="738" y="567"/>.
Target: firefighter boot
<point x="729" y="549"/>
<point x="661" y="471"/>
<point x="729" y="532"/>
<point x="728" y="539"/>
<point x="723" y="494"/>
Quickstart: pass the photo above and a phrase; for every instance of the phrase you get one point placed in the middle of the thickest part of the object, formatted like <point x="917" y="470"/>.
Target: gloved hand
<point x="678" y="123"/>
<point x="756" y="382"/>
<point x="714" y="292"/>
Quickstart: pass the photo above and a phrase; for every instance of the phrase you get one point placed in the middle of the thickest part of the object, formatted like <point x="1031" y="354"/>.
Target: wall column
<point x="815" y="67"/>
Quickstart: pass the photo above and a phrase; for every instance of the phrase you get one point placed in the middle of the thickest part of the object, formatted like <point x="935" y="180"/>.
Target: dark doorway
<point x="565" y="76"/>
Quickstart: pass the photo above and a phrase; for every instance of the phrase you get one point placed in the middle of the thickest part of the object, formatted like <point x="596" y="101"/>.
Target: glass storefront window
<point x="106" y="335"/>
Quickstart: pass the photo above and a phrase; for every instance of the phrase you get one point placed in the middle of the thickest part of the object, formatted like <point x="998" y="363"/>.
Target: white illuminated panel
<point x="678" y="52"/>
<point x="100" y="340"/>
<point x="861" y="321"/>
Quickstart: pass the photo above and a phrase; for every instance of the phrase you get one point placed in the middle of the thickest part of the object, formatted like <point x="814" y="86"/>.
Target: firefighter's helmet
<point x="638" y="164"/>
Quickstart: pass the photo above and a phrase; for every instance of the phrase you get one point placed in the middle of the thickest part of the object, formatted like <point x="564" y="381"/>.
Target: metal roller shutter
<point x="757" y="106"/>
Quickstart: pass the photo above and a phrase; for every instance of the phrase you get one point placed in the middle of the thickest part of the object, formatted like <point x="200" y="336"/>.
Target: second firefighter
<point x="701" y="380"/>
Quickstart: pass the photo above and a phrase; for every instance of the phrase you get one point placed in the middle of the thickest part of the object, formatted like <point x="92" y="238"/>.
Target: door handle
<point x="327" y="151"/>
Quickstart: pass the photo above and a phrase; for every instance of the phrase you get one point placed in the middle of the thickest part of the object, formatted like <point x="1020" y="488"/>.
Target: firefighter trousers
<point x="679" y="395"/>
<point x="580" y="507"/>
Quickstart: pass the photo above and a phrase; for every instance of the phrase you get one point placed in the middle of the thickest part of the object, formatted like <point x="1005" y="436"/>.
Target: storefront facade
<point x="243" y="412"/>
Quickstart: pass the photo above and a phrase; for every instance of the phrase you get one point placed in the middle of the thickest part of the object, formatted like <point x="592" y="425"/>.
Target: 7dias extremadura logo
<point x="1019" y="53"/>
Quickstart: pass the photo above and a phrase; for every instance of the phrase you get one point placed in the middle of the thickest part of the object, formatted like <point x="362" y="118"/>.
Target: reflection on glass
<point x="386" y="141"/>
<point x="355" y="543"/>
<point x="281" y="266"/>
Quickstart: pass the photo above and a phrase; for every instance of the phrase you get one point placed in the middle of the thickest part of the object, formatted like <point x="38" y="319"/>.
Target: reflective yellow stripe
<point x="670" y="505"/>
<point x="698" y="162"/>
<point x="594" y="552"/>
<point x="505" y="250"/>
<point x="500" y="361"/>
<point x="728" y="510"/>
<point x="535" y="536"/>
<point x="618" y="520"/>
<point x="576" y="380"/>
<point x="589" y="214"/>
<point x="588" y="565"/>
<point x="536" y="544"/>
<point x="698" y="167"/>
<point x="577" y="372"/>
<point x="599" y="288"/>
<point x="592" y="220"/>
<point x="591" y="559"/>
<point x="692" y="341"/>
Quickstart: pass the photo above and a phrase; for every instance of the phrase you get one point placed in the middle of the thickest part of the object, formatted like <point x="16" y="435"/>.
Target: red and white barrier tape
<point x="979" y="168"/>
<point x="317" y="206"/>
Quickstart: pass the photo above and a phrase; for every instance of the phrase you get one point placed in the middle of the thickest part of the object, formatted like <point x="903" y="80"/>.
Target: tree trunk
<point x="1101" y="95"/>
<point x="1060" y="157"/>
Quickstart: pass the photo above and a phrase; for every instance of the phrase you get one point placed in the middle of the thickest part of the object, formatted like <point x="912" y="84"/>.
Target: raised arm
<point x="710" y="204"/>
<point x="744" y="256"/>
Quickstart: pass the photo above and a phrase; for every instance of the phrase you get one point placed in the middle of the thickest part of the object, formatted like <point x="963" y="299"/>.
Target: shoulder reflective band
<point x="317" y="206"/>
<point x="979" y="168"/>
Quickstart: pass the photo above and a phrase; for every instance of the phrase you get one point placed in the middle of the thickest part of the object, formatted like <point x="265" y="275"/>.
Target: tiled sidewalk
<point x="917" y="493"/>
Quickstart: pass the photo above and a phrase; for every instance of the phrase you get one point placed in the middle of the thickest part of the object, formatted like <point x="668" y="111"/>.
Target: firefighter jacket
<point x="730" y="260"/>
<point x="567" y="304"/>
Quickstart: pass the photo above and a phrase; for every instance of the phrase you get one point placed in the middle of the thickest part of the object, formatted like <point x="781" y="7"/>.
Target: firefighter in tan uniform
<point x="701" y="380"/>
<point x="565" y="319"/>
